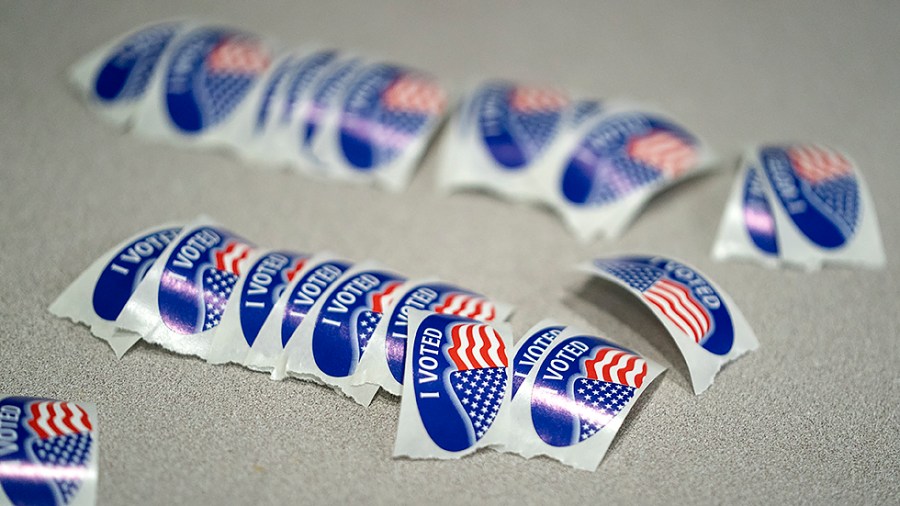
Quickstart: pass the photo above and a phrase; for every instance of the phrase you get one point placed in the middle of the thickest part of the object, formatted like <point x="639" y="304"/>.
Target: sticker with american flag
<point x="459" y="379"/>
<point x="210" y="73"/>
<point x="385" y="110"/>
<point x="580" y="386"/>
<point x="624" y="153"/>
<point x="517" y="123"/>
<point x="707" y="327"/>
<point x="441" y="298"/>
<point x="347" y="318"/>
<point x="818" y="188"/>
<point x="199" y="277"/>
<point x="48" y="454"/>
<point x="127" y="70"/>
<point x="684" y="300"/>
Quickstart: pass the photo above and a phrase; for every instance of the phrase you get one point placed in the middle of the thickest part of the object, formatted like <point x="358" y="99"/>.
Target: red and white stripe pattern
<point x="231" y="258"/>
<point x="383" y="299"/>
<point x="616" y="366"/>
<point x="529" y="100"/>
<point x="237" y="56"/>
<point x="476" y="346"/>
<point x="678" y="306"/>
<point x="56" y="418"/>
<point x="470" y="306"/>
<point x="416" y="94"/>
<point x="298" y="266"/>
<point x="663" y="151"/>
<point x="818" y="163"/>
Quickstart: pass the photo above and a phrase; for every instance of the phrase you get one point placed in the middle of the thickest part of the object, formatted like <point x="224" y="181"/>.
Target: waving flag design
<point x="415" y="94"/>
<point x="616" y="366"/>
<point x="230" y="71"/>
<point x="236" y="56"/>
<point x="597" y="402"/>
<point x="219" y="282"/>
<point x="663" y="151"/>
<point x="479" y="354"/>
<point x="64" y="440"/>
<point x="367" y="320"/>
<point x="527" y="100"/>
<point x="671" y="298"/>
<point x="831" y="179"/>
<point x="468" y="305"/>
<point x="230" y="257"/>
<point x="476" y="346"/>
<point x="298" y="266"/>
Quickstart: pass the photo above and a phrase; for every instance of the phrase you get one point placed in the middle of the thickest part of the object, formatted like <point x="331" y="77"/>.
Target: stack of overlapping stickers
<point x="803" y="205"/>
<point x="595" y="163"/>
<point x="322" y="111"/>
<point x="202" y="290"/>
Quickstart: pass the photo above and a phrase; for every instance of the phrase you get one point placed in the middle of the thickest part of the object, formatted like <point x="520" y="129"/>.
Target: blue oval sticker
<point x="624" y="153"/>
<point x="818" y="189"/>
<point x="459" y="379"/>
<point x="348" y="318"/>
<point x="211" y="71"/>
<point x="583" y="383"/>
<point x="198" y="278"/>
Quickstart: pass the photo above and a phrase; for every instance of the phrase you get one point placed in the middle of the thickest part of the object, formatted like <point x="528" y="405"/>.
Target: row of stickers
<point x="341" y="116"/>
<point x="203" y="290"/>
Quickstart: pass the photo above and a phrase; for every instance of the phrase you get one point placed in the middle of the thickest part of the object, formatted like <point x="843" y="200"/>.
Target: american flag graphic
<point x="529" y="100"/>
<point x="480" y="392"/>
<point x="367" y="320"/>
<point x="598" y="402"/>
<point x="291" y="273"/>
<point x="672" y="299"/>
<point x="468" y="305"/>
<point x="239" y="56"/>
<point x="219" y="281"/>
<point x="479" y="354"/>
<point x="830" y="177"/>
<point x="664" y="151"/>
<point x="231" y="69"/>
<point x="616" y="366"/>
<point x="415" y="94"/>
<point x="476" y="346"/>
<point x="63" y="440"/>
<point x="534" y="115"/>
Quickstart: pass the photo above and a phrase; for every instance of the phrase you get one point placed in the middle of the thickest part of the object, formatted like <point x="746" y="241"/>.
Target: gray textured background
<point x="812" y="416"/>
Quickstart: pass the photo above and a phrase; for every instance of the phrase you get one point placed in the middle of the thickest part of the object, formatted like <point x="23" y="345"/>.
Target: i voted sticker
<point x="707" y="327"/>
<point x="624" y="153"/>
<point x="323" y="95"/>
<point x="575" y="397"/>
<point x="348" y="318"/>
<point x="457" y="384"/>
<point x="198" y="279"/>
<point x="384" y="110"/>
<point x="759" y="221"/>
<point x="818" y="189"/>
<point x="517" y="123"/>
<point x="127" y="71"/>
<point x="439" y="298"/>
<point x="301" y="79"/>
<point x="48" y="452"/>
<point x="120" y="277"/>
<point x="306" y="293"/>
<point x="264" y="284"/>
<point x="209" y="73"/>
<point x="530" y="348"/>
<point x="584" y="383"/>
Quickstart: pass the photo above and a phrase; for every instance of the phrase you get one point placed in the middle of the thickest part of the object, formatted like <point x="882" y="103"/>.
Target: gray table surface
<point x="811" y="417"/>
